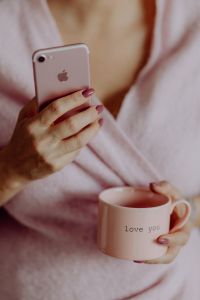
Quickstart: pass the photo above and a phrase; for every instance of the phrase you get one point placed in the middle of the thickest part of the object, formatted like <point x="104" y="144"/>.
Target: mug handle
<point x="183" y="219"/>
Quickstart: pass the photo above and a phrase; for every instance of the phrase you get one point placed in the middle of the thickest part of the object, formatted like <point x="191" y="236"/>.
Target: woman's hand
<point x="176" y="240"/>
<point x="39" y="146"/>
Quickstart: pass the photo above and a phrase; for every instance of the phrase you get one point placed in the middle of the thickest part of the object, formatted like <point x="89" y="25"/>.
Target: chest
<point x="117" y="51"/>
<point x="114" y="65"/>
<point x="114" y="62"/>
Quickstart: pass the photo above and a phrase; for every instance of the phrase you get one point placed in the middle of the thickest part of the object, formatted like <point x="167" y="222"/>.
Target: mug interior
<point x="132" y="197"/>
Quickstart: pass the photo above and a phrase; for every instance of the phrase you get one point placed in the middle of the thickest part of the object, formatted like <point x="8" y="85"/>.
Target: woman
<point x="143" y="53"/>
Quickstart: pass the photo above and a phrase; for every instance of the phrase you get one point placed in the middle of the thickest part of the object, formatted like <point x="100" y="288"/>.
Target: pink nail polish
<point x="88" y="92"/>
<point x="100" y="122"/>
<point x="99" y="108"/>
<point x="163" y="241"/>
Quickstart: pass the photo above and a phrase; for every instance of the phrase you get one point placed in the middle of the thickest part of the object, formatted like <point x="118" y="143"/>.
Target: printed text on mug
<point x="150" y="229"/>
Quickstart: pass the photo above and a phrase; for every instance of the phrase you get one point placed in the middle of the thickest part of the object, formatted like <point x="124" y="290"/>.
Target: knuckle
<point x="30" y="128"/>
<point x="93" y="112"/>
<point x="72" y="125"/>
<point x="79" y="142"/>
<point x="54" y="107"/>
<point x="42" y="118"/>
<point x="32" y="131"/>
<point x="75" y="97"/>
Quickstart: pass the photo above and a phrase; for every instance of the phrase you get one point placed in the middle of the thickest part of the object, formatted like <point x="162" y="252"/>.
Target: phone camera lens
<point x="41" y="58"/>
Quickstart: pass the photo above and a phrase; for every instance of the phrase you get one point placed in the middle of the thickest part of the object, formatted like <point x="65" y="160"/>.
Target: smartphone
<point x="60" y="71"/>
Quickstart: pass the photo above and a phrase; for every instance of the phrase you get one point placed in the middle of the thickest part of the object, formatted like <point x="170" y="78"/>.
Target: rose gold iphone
<point x="59" y="71"/>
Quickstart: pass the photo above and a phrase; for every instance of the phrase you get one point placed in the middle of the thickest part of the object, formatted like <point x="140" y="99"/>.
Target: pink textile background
<point x="47" y="237"/>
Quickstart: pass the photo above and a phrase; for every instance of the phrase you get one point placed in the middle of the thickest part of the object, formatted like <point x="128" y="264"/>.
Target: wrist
<point x="9" y="177"/>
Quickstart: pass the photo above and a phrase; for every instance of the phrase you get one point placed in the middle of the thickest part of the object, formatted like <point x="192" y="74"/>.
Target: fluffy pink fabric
<point x="48" y="235"/>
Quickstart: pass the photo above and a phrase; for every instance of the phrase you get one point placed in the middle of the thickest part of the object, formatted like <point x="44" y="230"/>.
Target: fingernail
<point x="139" y="261"/>
<point x="99" y="108"/>
<point x="100" y="122"/>
<point x="88" y="92"/>
<point x="163" y="241"/>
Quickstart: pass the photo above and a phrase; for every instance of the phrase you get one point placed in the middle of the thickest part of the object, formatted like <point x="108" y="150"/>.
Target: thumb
<point x="29" y="110"/>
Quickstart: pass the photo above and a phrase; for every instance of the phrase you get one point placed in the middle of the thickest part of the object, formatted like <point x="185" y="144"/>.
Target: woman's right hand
<point x="38" y="147"/>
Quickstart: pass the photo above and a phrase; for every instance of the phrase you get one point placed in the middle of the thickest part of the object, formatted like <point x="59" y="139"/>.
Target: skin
<point x="37" y="148"/>
<point x="104" y="26"/>
<point x="86" y="17"/>
<point x="176" y="240"/>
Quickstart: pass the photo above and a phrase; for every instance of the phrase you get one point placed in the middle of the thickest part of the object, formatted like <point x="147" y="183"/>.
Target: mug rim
<point x="168" y="198"/>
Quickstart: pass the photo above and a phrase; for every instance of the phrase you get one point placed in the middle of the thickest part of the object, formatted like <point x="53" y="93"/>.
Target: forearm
<point x="10" y="184"/>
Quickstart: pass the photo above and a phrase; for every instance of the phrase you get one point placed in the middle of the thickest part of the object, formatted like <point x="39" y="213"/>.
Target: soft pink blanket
<point x="48" y="236"/>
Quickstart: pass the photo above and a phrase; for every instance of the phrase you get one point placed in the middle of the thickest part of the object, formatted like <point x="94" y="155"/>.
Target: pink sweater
<point x="48" y="235"/>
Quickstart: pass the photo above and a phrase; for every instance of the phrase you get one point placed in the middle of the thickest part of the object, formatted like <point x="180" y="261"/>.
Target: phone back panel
<point x="64" y="71"/>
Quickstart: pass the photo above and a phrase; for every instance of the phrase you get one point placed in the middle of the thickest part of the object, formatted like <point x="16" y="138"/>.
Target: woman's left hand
<point x="176" y="240"/>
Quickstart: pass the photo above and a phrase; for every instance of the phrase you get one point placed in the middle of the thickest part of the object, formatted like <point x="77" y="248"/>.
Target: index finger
<point x="178" y="238"/>
<point x="59" y="107"/>
<point x="167" y="258"/>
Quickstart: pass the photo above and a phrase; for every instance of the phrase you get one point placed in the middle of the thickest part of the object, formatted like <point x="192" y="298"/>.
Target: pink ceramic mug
<point x="130" y="220"/>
